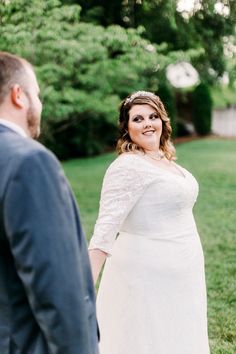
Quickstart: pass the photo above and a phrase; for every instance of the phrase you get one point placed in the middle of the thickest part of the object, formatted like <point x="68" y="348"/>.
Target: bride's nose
<point x="147" y="124"/>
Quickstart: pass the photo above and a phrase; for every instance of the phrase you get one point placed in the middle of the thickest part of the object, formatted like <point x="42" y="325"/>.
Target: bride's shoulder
<point x="126" y="159"/>
<point x="129" y="167"/>
<point x="123" y="162"/>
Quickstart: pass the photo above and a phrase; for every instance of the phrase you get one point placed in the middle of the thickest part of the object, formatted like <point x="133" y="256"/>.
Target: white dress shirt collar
<point x="13" y="126"/>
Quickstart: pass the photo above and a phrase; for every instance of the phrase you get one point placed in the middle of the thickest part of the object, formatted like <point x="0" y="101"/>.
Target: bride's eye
<point x="137" y="119"/>
<point x="154" y="116"/>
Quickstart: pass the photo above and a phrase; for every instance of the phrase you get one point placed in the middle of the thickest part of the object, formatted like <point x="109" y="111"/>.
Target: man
<point x="47" y="300"/>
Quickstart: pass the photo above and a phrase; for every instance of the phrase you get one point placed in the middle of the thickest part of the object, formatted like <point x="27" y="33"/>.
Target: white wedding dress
<point x="152" y="296"/>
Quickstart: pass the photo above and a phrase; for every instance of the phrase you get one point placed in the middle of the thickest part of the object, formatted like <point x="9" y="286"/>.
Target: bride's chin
<point x="151" y="147"/>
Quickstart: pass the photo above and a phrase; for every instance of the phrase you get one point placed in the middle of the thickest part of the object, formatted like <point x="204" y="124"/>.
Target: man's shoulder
<point x="33" y="152"/>
<point x="18" y="149"/>
<point x="28" y="147"/>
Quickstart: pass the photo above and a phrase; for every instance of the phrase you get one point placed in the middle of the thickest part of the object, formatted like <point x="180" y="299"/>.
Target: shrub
<point x="82" y="135"/>
<point x="168" y="98"/>
<point x="202" y="109"/>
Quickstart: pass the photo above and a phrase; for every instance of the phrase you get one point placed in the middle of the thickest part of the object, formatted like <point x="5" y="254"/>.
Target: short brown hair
<point x="124" y="143"/>
<point x="12" y="71"/>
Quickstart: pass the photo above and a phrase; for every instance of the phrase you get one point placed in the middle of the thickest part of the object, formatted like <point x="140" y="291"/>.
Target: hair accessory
<point x="137" y="94"/>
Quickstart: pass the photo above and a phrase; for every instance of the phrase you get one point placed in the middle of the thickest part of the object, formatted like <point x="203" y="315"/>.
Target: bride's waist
<point x="184" y="233"/>
<point x="160" y="225"/>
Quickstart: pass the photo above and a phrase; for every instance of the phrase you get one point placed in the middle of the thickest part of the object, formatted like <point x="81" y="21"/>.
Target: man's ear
<point x="17" y="96"/>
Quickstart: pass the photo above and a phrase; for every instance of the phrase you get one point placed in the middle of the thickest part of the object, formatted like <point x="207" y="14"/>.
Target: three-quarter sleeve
<point x="123" y="185"/>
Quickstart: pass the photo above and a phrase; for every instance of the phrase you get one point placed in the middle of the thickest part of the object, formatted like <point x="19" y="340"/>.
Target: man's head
<point x="19" y="93"/>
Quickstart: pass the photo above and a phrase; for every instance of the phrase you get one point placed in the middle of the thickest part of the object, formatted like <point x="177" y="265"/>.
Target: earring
<point x="126" y="133"/>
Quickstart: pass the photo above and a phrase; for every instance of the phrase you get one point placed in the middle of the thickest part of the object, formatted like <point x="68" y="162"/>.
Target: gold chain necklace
<point x="158" y="157"/>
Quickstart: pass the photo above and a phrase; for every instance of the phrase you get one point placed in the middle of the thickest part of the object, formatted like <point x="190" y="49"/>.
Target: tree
<point x="205" y="26"/>
<point x="84" y="70"/>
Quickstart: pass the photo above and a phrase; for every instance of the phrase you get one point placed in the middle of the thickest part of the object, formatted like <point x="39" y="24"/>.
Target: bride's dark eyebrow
<point x="140" y="115"/>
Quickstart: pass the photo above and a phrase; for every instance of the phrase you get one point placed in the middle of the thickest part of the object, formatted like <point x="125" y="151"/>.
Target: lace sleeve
<point x="123" y="185"/>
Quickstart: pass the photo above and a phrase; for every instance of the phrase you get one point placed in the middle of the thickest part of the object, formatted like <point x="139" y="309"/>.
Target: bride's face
<point x="145" y="127"/>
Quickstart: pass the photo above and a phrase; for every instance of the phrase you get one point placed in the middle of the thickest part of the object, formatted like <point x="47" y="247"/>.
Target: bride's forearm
<point x="97" y="259"/>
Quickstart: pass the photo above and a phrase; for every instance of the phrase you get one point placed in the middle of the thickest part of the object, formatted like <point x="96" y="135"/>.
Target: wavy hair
<point x="124" y="143"/>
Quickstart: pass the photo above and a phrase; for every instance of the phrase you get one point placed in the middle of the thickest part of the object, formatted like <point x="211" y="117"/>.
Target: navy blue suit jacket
<point x="47" y="302"/>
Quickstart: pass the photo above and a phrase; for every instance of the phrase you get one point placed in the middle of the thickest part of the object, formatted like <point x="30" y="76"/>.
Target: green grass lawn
<point x="213" y="162"/>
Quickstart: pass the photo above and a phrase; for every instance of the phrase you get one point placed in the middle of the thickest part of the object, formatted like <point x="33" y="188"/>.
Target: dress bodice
<point x="142" y="198"/>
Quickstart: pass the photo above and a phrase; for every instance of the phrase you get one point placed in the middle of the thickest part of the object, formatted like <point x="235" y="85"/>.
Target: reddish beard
<point x="33" y="122"/>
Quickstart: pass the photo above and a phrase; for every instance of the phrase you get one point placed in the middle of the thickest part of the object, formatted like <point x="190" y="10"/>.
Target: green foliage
<point x="167" y="96"/>
<point x="81" y="137"/>
<point x="231" y="60"/>
<point x="84" y="69"/>
<point x="202" y="28"/>
<point x="223" y="96"/>
<point x="202" y="109"/>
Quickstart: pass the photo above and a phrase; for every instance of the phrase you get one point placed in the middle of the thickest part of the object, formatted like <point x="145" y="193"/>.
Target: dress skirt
<point x="152" y="297"/>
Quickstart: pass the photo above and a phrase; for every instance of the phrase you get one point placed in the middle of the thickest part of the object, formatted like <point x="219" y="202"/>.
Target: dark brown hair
<point x="12" y="71"/>
<point x="124" y="143"/>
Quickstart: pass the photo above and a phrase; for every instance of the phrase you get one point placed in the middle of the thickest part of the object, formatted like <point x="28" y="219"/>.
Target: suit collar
<point x="13" y="127"/>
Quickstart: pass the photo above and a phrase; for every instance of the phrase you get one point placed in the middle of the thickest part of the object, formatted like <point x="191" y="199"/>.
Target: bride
<point x="152" y="295"/>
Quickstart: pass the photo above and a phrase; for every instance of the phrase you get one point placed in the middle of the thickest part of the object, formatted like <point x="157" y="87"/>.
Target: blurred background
<point x="89" y="55"/>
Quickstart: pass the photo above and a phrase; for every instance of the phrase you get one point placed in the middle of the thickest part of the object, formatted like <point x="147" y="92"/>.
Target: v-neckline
<point x="181" y="173"/>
